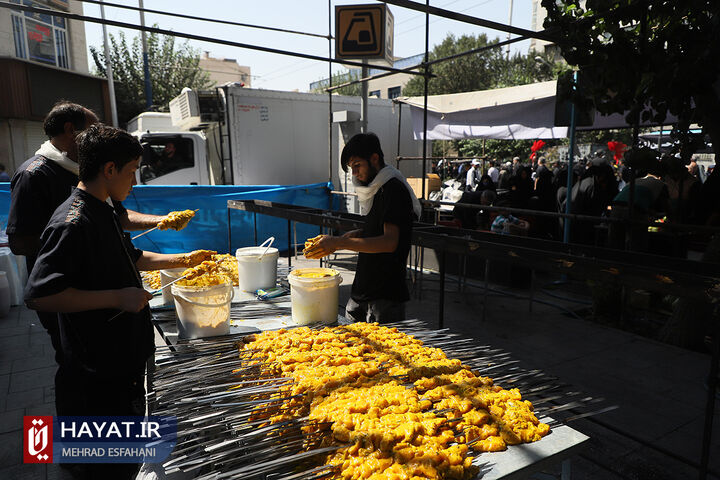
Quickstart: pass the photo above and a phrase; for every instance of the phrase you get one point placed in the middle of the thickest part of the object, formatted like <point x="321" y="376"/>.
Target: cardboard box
<point x="432" y="184"/>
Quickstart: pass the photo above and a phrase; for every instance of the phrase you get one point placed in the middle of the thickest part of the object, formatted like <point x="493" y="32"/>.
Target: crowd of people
<point x="667" y="189"/>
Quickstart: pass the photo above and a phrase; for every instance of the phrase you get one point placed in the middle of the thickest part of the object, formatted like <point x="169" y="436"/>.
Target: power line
<point x="203" y="19"/>
<point x="190" y="36"/>
<point x="481" y="22"/>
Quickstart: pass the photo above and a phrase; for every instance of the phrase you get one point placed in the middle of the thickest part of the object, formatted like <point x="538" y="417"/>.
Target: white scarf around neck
<point x="49" y="151"/>
<point x="366" y="193"/>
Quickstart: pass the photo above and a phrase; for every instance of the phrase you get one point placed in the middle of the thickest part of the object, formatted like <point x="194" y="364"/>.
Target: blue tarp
<point x="209" y="228"/>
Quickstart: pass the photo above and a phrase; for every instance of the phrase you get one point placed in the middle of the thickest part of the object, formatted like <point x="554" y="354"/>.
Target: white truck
<point x="245" y="136"/>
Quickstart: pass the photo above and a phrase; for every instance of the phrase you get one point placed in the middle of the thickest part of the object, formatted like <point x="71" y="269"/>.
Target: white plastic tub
<point x="314" y="299"/>
<point x="255" y="270"/>
<point x="203" y="311"/>
<point x="168" y="276"/>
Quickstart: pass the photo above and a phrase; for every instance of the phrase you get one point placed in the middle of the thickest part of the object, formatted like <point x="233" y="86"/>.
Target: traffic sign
<point x="364" y="31"/>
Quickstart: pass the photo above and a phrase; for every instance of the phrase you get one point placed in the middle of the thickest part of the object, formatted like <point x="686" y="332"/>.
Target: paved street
<point x="658" y="388"/>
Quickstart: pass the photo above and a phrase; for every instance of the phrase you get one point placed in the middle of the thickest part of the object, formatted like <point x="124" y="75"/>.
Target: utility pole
<point x="509" y="24"/>
<point x="146" y="66"/>
<point x="364" y="98"/>
<point x="108" y="69"/>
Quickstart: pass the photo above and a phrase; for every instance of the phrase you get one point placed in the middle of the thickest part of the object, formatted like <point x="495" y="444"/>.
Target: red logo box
<point x="38" y="439"/>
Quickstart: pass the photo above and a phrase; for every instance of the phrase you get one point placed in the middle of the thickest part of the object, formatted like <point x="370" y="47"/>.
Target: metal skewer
<point x="157" y="290"/>
<point x="154" y="228"/>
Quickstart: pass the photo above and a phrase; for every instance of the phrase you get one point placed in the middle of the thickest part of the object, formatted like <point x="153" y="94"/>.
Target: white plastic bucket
<point x="255" y="270"/>
<point x="203" y="311"/>
<point x="168" y="276"/>
<point x="314" y="299"/>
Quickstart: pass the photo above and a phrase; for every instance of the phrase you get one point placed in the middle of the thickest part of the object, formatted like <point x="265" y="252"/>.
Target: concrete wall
<point x="224" y="70"/>
<point x="385" y="83"/>
<point x="19" y="139"/>
<point x="7" y="44"/>
<point x="76" y="41"/>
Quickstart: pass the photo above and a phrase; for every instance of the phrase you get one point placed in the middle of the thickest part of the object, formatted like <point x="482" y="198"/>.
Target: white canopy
<point x="513" y="113"/>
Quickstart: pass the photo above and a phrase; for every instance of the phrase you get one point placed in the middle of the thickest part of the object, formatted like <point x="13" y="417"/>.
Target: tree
<point x="479" y="71"/>
<point x="172" y="68"/>
<point x="645" y="57"/>
<point x="340" y="78"/>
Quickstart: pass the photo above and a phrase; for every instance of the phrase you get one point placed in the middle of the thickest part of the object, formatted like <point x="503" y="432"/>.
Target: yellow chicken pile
<point x="228" y="266"/>
<point x="225" y="268"/>
<point x="207" y="274"/>
<point x="176" y="220"/>
<point x="401" y="410"/>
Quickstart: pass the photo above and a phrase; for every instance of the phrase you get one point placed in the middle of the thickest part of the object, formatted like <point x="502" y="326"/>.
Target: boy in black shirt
<point x="379" y="291"/>
<point x="87" y="270"/>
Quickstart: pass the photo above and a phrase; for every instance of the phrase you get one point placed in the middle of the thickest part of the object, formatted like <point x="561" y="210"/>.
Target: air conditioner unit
<point x="193" y="110"/>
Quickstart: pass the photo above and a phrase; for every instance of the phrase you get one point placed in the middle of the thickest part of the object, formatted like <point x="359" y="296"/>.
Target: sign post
<point x="364" y="32"/>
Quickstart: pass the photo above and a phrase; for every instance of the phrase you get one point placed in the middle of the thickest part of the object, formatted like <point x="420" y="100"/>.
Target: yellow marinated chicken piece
<point x="152" y="278"/>
<point x="204" y="275"/>
<point x="176" y="220"/>
<point x="351" y="382"/>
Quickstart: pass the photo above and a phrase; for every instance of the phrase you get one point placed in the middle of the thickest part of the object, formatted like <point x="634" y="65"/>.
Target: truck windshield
<point x="162" y="156"/>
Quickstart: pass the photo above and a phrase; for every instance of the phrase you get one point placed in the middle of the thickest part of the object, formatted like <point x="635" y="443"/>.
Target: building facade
<point x="43" y="59"/>
<point x="387" y="87"/>
<point x="224" y="70"/>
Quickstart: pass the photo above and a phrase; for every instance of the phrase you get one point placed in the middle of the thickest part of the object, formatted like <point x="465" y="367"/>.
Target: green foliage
<point x="648" y="57"/>
<point x="480" y="71"/>
<point x="340" y="78"/>
<point x="172" y="68"/>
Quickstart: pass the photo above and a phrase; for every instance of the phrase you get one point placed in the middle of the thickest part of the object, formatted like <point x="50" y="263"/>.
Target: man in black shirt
<point x="45" y="181"/>
<point x="379" y="291"/>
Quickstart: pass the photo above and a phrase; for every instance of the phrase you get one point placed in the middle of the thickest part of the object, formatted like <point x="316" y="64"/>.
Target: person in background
<point x="387" y="202"/>
<point x="494" y="172"/>
<point x="4" y="177"/>
<point x="87" y="270"/>
<point x="472" y="177"/>
<point x="683" y="191"/>
<point x="521" y="188"/>
<point x="462" y="176"/>
<point x="503" y="182"/>
<point x="650" y="200"/>
<point x="516" y="165"/>
<point x="485" y="183"/>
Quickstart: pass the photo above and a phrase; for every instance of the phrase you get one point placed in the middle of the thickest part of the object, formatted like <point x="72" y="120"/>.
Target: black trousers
<point x="381" y="311"/>
<point x="80" y="394"/>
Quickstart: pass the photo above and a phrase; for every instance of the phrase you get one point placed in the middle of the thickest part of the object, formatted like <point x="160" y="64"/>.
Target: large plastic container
<point x="203" y="311"/>
<point x="255" y="270"/>
<point x="168" y="276"/>
<point x="314" y="295"/>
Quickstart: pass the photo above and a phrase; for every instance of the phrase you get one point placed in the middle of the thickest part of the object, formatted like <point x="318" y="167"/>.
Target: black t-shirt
<point x="38" y="187"/>
<point x="83" y="247"/>
<point x="382" y="275"/>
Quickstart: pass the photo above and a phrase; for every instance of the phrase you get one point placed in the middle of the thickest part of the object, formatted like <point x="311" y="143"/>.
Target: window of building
<point x="39" y="37"/>
<point x="394" y="92"/>
<point x="165" y="155"/>
<point x="374" y="93"/>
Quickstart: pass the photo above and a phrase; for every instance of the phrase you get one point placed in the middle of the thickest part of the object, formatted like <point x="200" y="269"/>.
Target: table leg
<point x="566" y="473"/>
